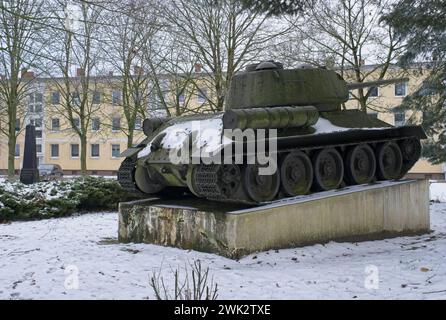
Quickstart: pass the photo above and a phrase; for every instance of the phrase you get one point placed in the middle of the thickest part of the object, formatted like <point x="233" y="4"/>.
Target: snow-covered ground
<point x="39" y="260"/>
<point x="437" y="191"/>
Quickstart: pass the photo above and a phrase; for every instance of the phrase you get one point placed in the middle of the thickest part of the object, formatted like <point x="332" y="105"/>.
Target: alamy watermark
<point x="371" y="280"/>
<point x="207" y="146"/>
<point x="72" y="277"/>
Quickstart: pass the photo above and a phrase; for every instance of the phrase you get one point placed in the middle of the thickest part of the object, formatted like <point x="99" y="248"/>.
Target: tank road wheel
<point x="360" y="164"/>
<point x="230" y="179"/>
<point x="328" y="169"/>
<point x="296" y="173"/>
<point x="411" y="152"/>
<point x="260" y="187"/>
<point x="389" y="160"/>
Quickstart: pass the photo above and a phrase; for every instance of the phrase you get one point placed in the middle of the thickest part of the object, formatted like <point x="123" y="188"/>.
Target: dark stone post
<point x="29" y="173"/>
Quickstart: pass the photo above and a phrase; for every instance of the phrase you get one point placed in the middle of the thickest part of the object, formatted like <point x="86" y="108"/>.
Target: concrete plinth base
<point x="356" y="213"/>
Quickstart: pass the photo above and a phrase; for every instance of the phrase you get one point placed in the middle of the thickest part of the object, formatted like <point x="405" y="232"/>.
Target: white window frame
<point x="111" y="149"/>
<point x="32" y="103"/>
<point x="116" y="94"/>
<point x="377" y="93"/>
<point x="139" y="126"/>
<point x="405" y="89"/>
<point x="52" y="127"/>
<point x="398" y="123"/>
<point x="78" y="123"/>
<point x="37" y="127"/>
<point x="91" y="151"/>
<point x="51" y="151"/>
<point x="96" y="94"/>
<point x="53" y="93"/>
<point x="92" y="122"/>
<point x="71" y="150"/>
<point x="119" y="124"/>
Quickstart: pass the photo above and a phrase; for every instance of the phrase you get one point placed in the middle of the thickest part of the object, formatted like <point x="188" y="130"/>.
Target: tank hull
<point x="341" y="148"/>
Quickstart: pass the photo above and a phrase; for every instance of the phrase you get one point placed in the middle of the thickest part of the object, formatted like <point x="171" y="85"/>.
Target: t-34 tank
<point x="317" y="144"/>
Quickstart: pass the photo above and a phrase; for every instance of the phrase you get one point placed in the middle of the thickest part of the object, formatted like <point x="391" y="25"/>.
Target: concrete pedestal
<point x="356" y="213"/>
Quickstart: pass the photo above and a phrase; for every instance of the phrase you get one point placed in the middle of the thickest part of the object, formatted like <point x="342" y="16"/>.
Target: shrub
<point x="59" y="198"/>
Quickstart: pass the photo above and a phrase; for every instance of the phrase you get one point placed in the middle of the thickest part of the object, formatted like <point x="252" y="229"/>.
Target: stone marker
<point x="29" y="173"/>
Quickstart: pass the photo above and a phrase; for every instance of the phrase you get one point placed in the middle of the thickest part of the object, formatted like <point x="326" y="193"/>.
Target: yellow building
<point x="57" y="142"/>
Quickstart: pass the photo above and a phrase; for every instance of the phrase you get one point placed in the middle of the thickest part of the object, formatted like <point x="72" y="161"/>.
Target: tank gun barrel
<point x="359" y="85"/>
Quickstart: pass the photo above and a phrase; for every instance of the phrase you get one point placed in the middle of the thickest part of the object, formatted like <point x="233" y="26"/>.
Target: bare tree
<point x="74" y="60"/>
<point x="343" y="34"/>
<point x="173" y="72"/>
<point x="223" y="35"/>
<point x="19" y="43"/>
<point x="135" y="23"/>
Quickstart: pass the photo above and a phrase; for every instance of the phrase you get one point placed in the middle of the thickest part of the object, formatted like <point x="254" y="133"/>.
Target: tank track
<point x="126" y="176"/>
<point x="207" y="178"/>
<point x="207" y="182"/>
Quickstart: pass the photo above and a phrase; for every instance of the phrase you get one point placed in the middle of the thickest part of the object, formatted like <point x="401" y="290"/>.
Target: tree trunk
<point x="130" y="138"/>
<point x="11" y="153"/>
<point x="83" y="157"/>
<point x="363" y="105"/>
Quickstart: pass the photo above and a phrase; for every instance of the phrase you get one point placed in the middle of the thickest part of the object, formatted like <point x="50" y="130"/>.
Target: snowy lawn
<point x="437" y="191"/>
<point x="37" y="257"/>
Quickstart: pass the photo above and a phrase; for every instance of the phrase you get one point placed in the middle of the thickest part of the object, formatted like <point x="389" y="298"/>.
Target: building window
<point x="35" y="102"/>
<point x="55" y="124"/>
<point x="201" y="96"/>
<point x="76" y="123"/>
<point x="74" y="150"/>
<point x="37" y="123"/>
<point x="400" y="118"/>
<point x="374" y="115"/>
<point x="350" y="95"/>
<point x="55" y="97"/>
<point x="76" y="98"/>
<point x="373" y="92"/>
<point x="38" y="148"/>
<point x="155" y="102"/>
<point x="54" y="151"/>
<point x="95" y="124"/>
<point x="426" y="90"/>
<point x="95" y="150"/>
<point x="116" y="124"/>
<point x="400" y="89"/>
<point x="116" y="150"/>
<point x="138" y="123"/>
<point x="17" y="124"/>
<point x="17" y="150"/>
<point x="116" y="97"/>
<point x="96" y="97"/>
<point x="136" y="97"/>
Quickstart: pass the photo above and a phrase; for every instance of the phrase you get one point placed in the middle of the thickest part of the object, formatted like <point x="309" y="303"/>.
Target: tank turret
<point x="317" y="145"/>
<point x="267" y="84"/>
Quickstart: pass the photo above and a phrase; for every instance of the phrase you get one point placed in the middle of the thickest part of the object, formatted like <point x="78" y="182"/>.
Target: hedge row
<point x="59" y="198"/>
